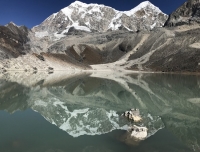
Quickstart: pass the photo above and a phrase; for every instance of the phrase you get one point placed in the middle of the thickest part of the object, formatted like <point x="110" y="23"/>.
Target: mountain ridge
<point x="52" y="46"/>
<point x="101" y="18"/>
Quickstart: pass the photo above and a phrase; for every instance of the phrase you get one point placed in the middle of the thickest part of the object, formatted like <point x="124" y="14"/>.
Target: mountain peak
<point x="146" y="4"/>
<point x="143" y="5"/>
<point x="78" y="3"/>
<point x="81" y="4"/>
<point x="12" y="23"/>
<point x="98" y="17"/>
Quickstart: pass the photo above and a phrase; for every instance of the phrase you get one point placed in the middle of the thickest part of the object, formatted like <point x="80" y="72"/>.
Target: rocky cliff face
<point x="188" y="13"/>
<point x="12" y="40"/>
<point x="100" y="18"/>
<point x="168" y="51"/>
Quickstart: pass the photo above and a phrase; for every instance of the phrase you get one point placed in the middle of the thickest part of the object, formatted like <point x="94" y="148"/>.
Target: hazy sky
<point x="33" y="12"/>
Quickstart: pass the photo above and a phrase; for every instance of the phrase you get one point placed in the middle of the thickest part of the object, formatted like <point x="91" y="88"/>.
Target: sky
<point x="32" y="12"/>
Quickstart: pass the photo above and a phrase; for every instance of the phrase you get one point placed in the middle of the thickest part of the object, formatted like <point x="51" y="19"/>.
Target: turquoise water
<point x="83" y="113"/>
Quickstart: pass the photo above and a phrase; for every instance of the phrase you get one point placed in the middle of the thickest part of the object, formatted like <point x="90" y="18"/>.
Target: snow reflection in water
<point x="87" y="105"/>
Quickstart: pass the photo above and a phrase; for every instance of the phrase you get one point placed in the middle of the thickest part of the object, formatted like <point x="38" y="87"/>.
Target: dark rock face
<point x="188" y="13"/>
<point x="12" y="40"/>
<point x="73" y="31"/>
<point x="169" y="53"/>
<point x="178" y="56"/>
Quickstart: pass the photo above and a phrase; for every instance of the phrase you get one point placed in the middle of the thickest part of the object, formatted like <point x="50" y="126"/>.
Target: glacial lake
<point x="81" y="112"/>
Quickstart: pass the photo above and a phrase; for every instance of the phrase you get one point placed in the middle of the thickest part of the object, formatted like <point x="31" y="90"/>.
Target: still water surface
<point x="82" y="113"/>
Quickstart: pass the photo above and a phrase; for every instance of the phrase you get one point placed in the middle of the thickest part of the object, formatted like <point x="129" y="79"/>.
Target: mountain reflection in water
<point x="91" y="104"/>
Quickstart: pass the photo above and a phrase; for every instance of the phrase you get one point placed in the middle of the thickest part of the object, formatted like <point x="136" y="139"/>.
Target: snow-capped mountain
<point x="100" y="18"/>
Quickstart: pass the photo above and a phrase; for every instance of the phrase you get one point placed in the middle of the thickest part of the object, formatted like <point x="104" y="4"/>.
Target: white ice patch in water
<point x="141" y="135"/>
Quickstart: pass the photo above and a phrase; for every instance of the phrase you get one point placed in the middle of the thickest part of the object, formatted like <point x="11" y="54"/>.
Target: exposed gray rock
<point x="13" y="41"/>
<point x="168" y="51"/>
<point x="188" y="13"/>
<point x="133" y="114"/>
